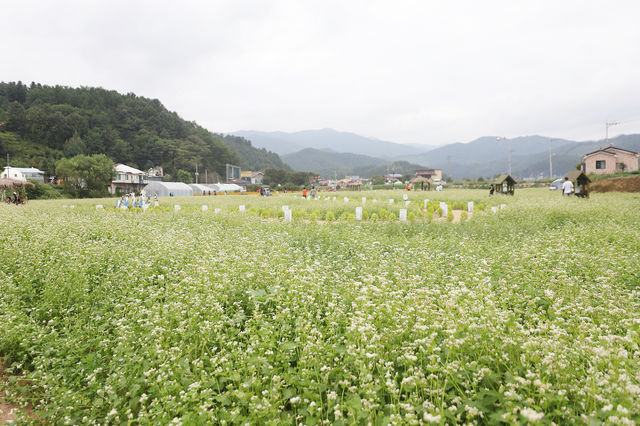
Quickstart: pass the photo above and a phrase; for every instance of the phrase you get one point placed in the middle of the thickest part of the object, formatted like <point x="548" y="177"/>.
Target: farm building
<point x="23" y="174"/>
<point x="610" y="160"/>
<point x="504" y="184"/>
<point x="166" y="189"/>
<point x="580" y="183"/>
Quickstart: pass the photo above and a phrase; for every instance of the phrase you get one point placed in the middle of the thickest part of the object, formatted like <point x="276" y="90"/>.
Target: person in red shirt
<point x="304" y="192"/>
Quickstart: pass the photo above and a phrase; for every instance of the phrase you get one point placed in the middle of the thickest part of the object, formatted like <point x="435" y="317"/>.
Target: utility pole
<point x="196" y="173"/>
<point x="499" y="138"/>
<point x="206" y="177"/>
<point x="608" y="124"/>
<point x="551" y="158"/>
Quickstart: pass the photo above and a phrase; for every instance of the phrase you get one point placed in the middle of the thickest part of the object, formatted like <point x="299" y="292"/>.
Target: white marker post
<point x="470" y="206"/>
<point x="99" y="206"/>
<point x="358" y="213"/>
<point x="288" y="215"/>
<point x="346" y="200"/>
<point x="403" y="215"/>
<point x="285" y="208"/>
<point x="241" y="208"/>
<point x="494" y="209"/>
<point x="390" y="200"/>
<point x="502" y="206"/>
<point x="445" y="209"/>
<point x="176" y="208"/>
<point x="217" y="210"/>
<point x="405" y="197"/>
<point x="426" y="202"/>
<point x="205" y="208"/>
<point x="364" y="200"/>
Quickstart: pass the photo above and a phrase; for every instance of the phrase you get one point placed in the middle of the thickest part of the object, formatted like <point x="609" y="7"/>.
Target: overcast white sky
<point x="429" y="72"/>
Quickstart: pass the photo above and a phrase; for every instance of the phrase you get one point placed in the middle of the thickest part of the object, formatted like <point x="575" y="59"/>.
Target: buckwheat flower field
<point x="529" y="313"/>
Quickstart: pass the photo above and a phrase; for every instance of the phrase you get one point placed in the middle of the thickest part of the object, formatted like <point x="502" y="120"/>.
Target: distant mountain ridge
<point x="284" y="143"/>
<point x="350" y="154"/>
<point x="488" y="156"/>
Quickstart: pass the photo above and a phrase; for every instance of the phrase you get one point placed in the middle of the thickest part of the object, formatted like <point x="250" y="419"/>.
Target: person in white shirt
<point x="567" y="187"/>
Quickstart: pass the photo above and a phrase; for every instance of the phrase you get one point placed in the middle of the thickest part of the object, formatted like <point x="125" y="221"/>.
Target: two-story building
<point x="610" y="160"/>
<point x="128" y="179"/>
<point x="253" y="178"/>
<point x="23" y="174"/>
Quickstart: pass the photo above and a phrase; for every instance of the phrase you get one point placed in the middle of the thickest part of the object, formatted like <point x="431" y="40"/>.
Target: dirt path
<point x="9" y="412"/>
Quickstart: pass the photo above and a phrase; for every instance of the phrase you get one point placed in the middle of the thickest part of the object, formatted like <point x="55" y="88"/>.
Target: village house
<point x="610" y="160"/>
<point x="254" y="178"/>
<point x="129" y="179"/>
<point x="23" y="174"/>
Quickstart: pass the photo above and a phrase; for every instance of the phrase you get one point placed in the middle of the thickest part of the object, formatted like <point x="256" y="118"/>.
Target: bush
<point x="450" y="216"/>
<point x="329" y="216"/>
<point x="43" y="191"/>
<point x="464" y="216"/>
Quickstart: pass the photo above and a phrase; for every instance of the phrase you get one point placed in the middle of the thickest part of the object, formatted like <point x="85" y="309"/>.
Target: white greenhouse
<point x="200" y="189"/>
<point x="226" y="187"/>
<point x="166" y="189"/>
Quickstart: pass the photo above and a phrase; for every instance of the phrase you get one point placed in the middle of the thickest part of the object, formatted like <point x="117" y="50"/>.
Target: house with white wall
<point x="23" y="174"/>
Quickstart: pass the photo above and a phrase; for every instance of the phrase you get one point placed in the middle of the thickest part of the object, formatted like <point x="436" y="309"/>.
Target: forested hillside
<point x="42" y="124"/>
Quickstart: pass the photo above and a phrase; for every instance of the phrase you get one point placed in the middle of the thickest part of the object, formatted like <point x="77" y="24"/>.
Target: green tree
<point x="16" y="118"/>
<point x="74" y="146"/>
<point x="86" y="176"/>
<point x="377" y="180"/>
<point x="182" y="176"/>
<point x="275" y="176"/>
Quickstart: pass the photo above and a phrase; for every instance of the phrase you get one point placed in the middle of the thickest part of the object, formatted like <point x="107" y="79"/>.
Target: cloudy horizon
<point x="407" y="71"/>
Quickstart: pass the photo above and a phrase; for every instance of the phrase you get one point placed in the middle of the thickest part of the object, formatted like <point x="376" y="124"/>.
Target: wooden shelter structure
<point x="504" y="184"/>
<point x="421" y="180"/>
<point x="580" y="183"/>
<point x="7" y="184"/>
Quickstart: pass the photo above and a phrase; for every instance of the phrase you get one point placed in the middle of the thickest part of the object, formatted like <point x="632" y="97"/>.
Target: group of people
<point x="15" y="198"/>
<point x="492" y="189"/>
<point x="313" y="192"/>
<point x="568" y="188"/>
<point x="264" y="192"/>
<point x="141" y="200"/>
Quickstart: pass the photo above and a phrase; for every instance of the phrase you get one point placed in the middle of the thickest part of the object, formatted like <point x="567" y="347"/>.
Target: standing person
<point x="567" y="187"/>
<point x="313" y="192"/>
<point x="491" y="189"/>
<point x="304" y="192"/>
